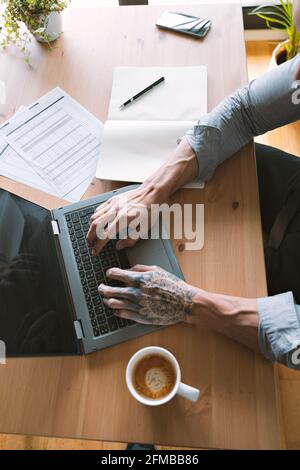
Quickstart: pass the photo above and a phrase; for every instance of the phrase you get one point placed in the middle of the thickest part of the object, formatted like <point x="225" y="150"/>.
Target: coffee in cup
<point x="153" y="377"/>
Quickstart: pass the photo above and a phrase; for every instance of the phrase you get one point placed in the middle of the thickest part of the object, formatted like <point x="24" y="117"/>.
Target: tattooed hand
<point x="150" y="295"/>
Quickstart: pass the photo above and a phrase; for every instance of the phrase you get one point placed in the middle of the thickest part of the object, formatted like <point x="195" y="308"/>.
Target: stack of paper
<point x="52" y="145"/>
<point x="139" y="138"/>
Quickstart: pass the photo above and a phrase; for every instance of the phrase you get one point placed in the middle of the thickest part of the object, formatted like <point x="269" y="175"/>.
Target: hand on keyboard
<point x="151" y="295"/>
<point x="118" y="212"/>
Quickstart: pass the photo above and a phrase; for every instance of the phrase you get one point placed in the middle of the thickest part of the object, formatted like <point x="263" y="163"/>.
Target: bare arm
<point x="153" y="296"/>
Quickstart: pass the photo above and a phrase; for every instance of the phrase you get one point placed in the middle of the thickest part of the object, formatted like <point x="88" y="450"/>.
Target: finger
<point x="102" y="209"/>
<point x="124" y="275"/>
<point x="125" y="243"/>
<point x="129" y="315"/>
<point x="91" y="235"/>
<point x="103" y="221"/>
<point x="104" y="236"/>
<point x="143" y="268"/>
<point x="117" y="304"/>
<point x="119" y="292"/>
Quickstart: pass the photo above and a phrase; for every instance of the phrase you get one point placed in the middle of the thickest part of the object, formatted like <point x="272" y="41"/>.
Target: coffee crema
<point x="154" y="376"/>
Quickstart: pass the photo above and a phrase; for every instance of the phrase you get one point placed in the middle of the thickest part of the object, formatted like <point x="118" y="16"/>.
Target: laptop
<point x="49" y="302"/>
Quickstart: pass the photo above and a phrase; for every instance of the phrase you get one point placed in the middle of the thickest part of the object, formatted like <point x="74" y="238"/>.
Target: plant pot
<point x="278" y="55"/>
<point x="52" y="25"/>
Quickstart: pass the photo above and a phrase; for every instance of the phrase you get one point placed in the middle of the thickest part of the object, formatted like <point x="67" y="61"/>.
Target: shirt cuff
<point x="279" y="325"/>
<point x="205" y="142"/>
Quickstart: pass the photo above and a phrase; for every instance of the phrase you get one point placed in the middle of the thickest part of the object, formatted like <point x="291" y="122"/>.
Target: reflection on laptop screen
<point x="35" y="318"/>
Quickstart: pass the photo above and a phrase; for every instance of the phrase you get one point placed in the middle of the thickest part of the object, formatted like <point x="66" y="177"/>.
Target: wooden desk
<point x="87" y="397"/>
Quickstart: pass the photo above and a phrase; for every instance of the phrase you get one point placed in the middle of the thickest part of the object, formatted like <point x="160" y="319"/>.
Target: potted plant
<point x="41" y="18"/>
<point x="281" y="17"/>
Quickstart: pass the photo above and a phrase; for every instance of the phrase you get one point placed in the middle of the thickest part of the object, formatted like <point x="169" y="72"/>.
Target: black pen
<point x="162" y="79"/>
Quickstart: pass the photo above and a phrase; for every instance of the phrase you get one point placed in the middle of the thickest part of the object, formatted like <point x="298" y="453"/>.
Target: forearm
<point x="263" y="105"/>
<point x="234" y="317"/>
<point x="180" y="168"/>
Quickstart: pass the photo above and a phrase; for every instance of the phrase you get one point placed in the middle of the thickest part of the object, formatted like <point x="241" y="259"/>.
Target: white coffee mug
<point x="185" y="391"/>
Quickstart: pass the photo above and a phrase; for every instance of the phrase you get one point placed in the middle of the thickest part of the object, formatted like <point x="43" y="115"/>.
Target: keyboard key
<point x="75" y="218"/>
<point x="83" y="250"/>
<point x="79" y="234"/>
<point x="96" y="300"/>
<point x="104" y="329"/>
<point x="97" y="268"/>
<point x="92" y="283"/>
<point x="89" y="275"/>
<point x="85" y="228"/>
<point x="99" y="309"/>
<point x="83" y="281"/>
<point x="94" y="322"/>
<point x="84" y="220"/>
<point x="76" y="252"/>
<point x="100" y="277"/>
<point x="73" y="238"/>
<point x="91" y="313"/>
<point x="94" y="292"/>
<point x="68" y="217"/>
<point x="105" y="263"/>
<point x="96" y="332"/>
<point x="101" y="319"/>
<point x="122" y="322"/>
<point x="87" y="297"/>
<point x="112" y="323"/>
<point x="108" y="312"/>
<point x="86" y="289"/>
<point x="81" y="242"/>
<point x="94" y="260"/>
<point x="85" y="258"/>
<point x="90" y="210"/>
<point x="87" y="266"/>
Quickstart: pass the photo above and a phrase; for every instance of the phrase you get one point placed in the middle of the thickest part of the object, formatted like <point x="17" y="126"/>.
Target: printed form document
<point x="52" y="145"/>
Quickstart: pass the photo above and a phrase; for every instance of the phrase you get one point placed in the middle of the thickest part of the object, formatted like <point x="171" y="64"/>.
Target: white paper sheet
<point x="143" y="154"/>
<point x="54" y="146"/>
<point x="181" y="97"/>
<point x="139" y="138"/>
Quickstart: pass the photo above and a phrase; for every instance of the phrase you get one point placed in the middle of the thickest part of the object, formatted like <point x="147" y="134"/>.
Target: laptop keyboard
<point x="92" y="271"/>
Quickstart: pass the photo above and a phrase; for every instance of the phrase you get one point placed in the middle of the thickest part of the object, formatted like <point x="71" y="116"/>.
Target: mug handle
<point x="188" y="392"/>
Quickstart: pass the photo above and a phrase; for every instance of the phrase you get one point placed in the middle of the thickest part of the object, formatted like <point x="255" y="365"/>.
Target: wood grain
<point x="86" y="397"/>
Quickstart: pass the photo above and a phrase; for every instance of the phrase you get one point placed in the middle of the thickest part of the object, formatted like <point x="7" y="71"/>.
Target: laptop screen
<point x="35" y="317"/>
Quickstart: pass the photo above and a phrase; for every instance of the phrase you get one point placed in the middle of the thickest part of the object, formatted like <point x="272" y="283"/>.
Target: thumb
<point x="126" y="243"/>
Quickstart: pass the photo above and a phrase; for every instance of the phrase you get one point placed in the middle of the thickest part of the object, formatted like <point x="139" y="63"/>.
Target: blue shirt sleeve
<point x="279" y="329"/>
<point x="265" y="104"/>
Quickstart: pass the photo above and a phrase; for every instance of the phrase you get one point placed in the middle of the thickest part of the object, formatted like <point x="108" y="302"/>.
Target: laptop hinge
<point x="55" y="227"/>
<point x="78" y="329"/>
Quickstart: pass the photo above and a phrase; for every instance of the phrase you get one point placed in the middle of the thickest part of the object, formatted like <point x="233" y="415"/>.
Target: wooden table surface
<point x="86" y="397"/>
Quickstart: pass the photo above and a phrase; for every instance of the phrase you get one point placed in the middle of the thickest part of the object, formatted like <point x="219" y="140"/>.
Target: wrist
<point x="179" y="169"/>
<point x="223" y="310"/>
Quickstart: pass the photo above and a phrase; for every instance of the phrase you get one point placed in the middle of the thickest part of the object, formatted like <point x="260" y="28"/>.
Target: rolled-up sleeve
<point x="279" y="329"/>
<point x="265" y="104"/>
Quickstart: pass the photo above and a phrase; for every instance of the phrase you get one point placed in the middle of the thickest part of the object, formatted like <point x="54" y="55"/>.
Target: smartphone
<point x="183" y="23"/>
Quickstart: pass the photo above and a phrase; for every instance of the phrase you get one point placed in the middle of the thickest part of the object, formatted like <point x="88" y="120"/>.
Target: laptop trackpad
<point x="149" y="252"/>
